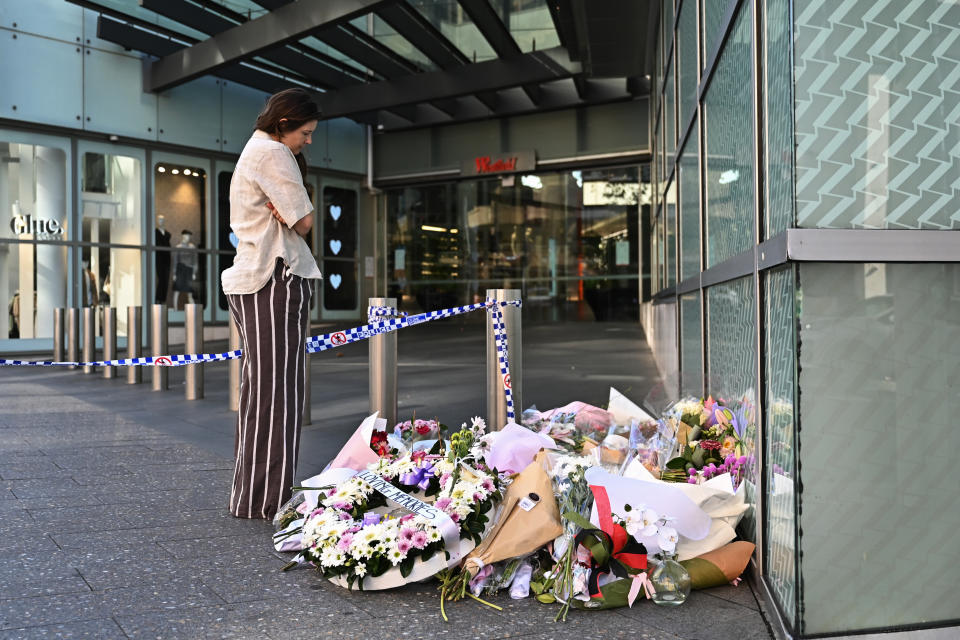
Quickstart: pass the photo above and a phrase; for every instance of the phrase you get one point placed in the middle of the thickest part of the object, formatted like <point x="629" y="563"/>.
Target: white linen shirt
<point x="266" y="172"/>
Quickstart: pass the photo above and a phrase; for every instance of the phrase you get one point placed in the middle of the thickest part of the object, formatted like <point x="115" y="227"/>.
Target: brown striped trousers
<point x="273" y="326"/>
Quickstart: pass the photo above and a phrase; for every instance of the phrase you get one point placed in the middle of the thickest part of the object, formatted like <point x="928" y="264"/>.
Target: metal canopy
<point x="399" y="63"/>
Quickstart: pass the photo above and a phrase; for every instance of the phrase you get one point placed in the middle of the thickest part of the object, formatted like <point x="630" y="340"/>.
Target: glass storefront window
<point x="33" y="270"/>
<point x="569" y="241"/>
<point x="180" y="214"/>
<point x="111" y="212"/>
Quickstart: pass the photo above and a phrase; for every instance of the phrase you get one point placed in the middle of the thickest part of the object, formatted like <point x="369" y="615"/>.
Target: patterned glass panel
<point x="780" y="365"/>
<point x="729" y="148"/>
<point x="690" y="207"/>
<point x="687" y="61"/>
<point x="666" y="25"/>
<point x="879" y="366"/>
<point x="878" y="145"/>
<point x="691" y="346"/>
<point x="670" y="118"/>
<point x="670" y="234"/>
<point x="713" y="12"/>
<point x="779" y="118"/>
<point x="731" y="358"/>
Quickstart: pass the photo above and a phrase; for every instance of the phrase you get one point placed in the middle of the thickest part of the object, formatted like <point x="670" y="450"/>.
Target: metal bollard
<point x="73" y="335"/>
<point x="382" y="364"/>
<point x="194" y="339"/>
<point x="307" y="407"/>
<point x="233" y="367"/>
<point x="496" y="401"/>
<point x="109" y="340"/>
<point x="134" y="331"/>
<point x="89" y="338"/>
<point x="58" y="334"/>
<point x="158" y="345"/>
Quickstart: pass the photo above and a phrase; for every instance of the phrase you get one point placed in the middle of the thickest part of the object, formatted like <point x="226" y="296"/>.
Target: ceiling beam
<point x="365" y="51"/>
<point x="285" y="24"/>
<point x="492" y="75"/>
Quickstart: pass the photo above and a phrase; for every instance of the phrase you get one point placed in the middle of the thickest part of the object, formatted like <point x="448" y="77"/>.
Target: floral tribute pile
<point x="586" y="507"/>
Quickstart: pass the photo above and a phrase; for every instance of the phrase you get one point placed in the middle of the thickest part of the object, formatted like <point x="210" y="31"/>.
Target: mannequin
<point x="162" y="261"/>
<point x="91" y="293"/>
<point x="184" y="269"/>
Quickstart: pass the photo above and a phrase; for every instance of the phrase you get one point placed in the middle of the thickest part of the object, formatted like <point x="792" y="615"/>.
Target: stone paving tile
<point x="82" y="519"/>
<point x="171" y="536"/>
<point x="724" y="618"/>
<point x="101" y="629"/>
<point x="741" y="595"/>
<point x="209" y="547"/>
<point x="22" y="583"/>
<point x="30" y="468"/>
<point x="161" y="596"/>
<point x="47" y="610"/>
<point x="44" y="488"/>
<point x="25" y="541"/>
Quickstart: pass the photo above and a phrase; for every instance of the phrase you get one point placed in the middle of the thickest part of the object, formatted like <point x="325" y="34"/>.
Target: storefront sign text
<point x="503" y="163"/>
<point x="20" y="225"/>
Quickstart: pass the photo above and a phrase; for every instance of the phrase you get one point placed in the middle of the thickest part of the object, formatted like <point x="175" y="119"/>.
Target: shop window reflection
<point x="179" y="231"/>
<point x="569" y="241"/>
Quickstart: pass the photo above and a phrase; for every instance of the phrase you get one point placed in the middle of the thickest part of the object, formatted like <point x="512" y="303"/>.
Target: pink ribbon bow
<point x="640" y="581"/>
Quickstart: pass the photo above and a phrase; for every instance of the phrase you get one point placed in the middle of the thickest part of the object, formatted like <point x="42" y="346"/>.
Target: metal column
<point x="134" y="333"/>
<point x="382" y="364"/>
<point x="89" y="338"/>
<point x="73" y="335"/>
<point x="194" y="339"/>
<point x="496" y="400"/>
<point x="158" y="345"/>
<point x="58" y="318"/>
<point x="233" y="367"/>
<point x="109" y="340"/>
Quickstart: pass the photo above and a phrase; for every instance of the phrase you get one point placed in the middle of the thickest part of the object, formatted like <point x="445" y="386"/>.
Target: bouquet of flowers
<point x="356" y="538"/>
<point x="575" y="427"/>
<point x="416" y="430"/>
<point x="711" y="444"/>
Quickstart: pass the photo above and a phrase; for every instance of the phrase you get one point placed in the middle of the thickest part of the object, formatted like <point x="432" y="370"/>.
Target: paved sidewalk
<point x="113" y="520"/>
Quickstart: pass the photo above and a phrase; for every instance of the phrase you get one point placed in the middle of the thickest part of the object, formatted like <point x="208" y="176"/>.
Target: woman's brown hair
<point x="288" y="110"/>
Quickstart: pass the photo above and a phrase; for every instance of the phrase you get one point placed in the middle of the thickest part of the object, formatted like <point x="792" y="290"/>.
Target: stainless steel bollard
<point x="134" y="332"/>
<point x="159" y="345"/>
<point x="109" y="340"/>
<point x="89" y="338"/>
<point x="73" y="335"/>
<point x="496" y="400"/>
<point x="58" y="334"/>
<point x="233" y="368"/>
<point x="382" y="364"/>
<point x="194" y="339"/>
<point x="307" y="407"/>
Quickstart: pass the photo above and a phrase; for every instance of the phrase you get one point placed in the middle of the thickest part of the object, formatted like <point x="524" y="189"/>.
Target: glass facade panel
<point x="713" y="13"/>
<point x="670" y="234"/>
<point x="670" y="120"/>
<point x="690" y="207"/>
<point x="691" y="346"/>
<point x="687" y="62"/>
<point x="569" y="241"/>
<point x="455" y="25"/>
<point x="339" y="250"/>
<point x="529" y="22"/>
<point x="33" y="273"/>
<point x="780" y="358"/>
<point x="879" y="365"/>
<point x="180" y="210"/>
<point x="729" y="148"/>
<point x="731" y="368"/>
<point x="878" y="144"/>
<point x="778" y="118"/>
<point x="388" y="37"/>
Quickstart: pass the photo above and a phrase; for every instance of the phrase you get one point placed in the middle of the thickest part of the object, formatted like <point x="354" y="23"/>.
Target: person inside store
<point x="268" y="289"/>
<point x="161" y="238"/>
<point x="184" y="270"/>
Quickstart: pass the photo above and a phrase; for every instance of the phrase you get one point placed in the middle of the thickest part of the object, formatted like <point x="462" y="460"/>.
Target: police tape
<point x="314" y="344"/>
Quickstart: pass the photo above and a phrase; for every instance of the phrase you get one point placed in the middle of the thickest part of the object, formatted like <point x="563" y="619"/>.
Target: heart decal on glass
<point x="234" y="240"/>
<point x="335" y="246"/>
<point x="335" y="280"/>
<point x="335" y="212"/>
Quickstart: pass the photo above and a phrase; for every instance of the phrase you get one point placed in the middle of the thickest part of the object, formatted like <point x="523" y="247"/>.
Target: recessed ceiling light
<point x="175" y="172"/>
<point x="161" y="169"/>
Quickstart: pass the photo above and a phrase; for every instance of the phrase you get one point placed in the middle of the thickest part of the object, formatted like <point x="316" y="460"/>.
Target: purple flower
<point x="691" y="471"/>
<point x="443" y="503"/>
<point x="487" y="485"/>
<point x="344" y="543"/>
<point x="406" y="534"/>
<point x="477" y="496"/>
<point x="343" y="506"/>
<point x="403" y="546"/>
<point x="371" y="518"/>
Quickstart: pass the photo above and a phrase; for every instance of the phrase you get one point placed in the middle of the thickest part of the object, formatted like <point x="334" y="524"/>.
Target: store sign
<point x="501" y="163"/>
<point x="21" y="224"/>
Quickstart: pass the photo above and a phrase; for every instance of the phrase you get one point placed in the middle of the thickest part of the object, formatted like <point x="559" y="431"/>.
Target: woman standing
<point x="268" y="288"/>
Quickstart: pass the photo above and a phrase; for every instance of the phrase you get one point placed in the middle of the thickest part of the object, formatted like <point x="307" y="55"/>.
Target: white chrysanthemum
<point x="433" y="534"/>
<point x="360" y="570"/>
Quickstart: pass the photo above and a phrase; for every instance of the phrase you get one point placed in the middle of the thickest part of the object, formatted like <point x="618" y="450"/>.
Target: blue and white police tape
<point x="314" y="344"/>
<point x="378" y="311"/>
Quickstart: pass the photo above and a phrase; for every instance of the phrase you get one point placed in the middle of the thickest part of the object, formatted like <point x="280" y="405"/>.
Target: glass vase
<point x="671" y="582"/>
